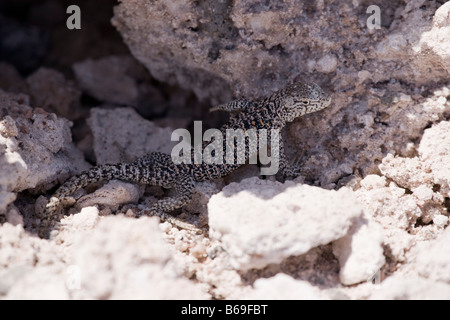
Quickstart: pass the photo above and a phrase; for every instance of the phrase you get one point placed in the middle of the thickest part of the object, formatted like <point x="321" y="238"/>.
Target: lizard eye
<point x="304" y="102"/>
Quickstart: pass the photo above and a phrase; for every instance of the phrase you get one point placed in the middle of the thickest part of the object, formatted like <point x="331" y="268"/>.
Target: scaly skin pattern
<point x="156" y="168"/>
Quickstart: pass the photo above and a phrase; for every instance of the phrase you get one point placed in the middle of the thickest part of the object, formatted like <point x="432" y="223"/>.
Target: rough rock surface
<point x="283" y="287"/>
<point x="50" y="91"/>
<point x="120" y="133"/>
<point x="411" y="288"/>
<point x="36" y="148"/>
<point x="92" y="268"/>
<point x="252" y="48"/>
<point x="212" y="43"/>
<point x="360" y="251"/>
<point x="431" y="262"/>
<point x="286" y="219"/>
<point x="108" y="79"/>
<point x="385" y="137"/>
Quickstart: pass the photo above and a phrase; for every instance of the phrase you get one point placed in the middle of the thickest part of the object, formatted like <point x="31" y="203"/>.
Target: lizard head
<point x="298" y="99"/>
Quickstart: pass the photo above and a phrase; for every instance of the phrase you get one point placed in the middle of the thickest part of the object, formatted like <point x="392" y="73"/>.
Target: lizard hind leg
<point x="185" y="189"/>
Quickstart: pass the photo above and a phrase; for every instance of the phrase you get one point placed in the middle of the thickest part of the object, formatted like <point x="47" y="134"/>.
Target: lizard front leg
<point x="285" y="168"/>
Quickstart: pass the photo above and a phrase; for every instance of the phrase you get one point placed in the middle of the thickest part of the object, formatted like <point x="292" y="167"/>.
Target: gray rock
<point x="122" y="135"/>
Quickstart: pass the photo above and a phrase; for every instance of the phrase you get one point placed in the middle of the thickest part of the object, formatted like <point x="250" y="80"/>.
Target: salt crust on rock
<point x="288" y="219"/>
<point x="112" y="257"/>
<point x="283" y="287"/>
<point x="388" y="86"/>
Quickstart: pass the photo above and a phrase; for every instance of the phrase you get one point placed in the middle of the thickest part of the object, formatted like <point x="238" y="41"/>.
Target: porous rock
<point x="433" y="259"/>
<point x="110" y="79"/>
<point x="120" y="133"/>
<point x="37" y="148"/>
<point x="51" y="91"/>
<point x="283" y="287"/>
<point x="258" y="221"/>
<point x="360" y="251"/>
<point x="411" y="288"/>
<point x="92" y="258"/>
<point x="126" y="258"/>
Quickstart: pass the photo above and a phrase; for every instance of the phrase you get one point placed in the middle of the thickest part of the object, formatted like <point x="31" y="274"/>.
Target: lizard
<point x="156" y="168"/>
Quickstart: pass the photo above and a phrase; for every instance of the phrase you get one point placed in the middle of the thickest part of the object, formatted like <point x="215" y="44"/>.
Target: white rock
<point x="360" y="252"/>
<point x="437" y="40"/>
<point x="283" y="287"/>
<point x="411" y="288"/>
<point x="434" y="150"/>
<point x="87" y="219"/>
<point x="433" y="259"/>
<point x="124" y="258"/>
<point x="440" y="220"/>
<point x="261" y="222"/>
<point x="35" y="148"/>
<point x="327" y="64"/>
<point x="42" y="283"/>
<point x="30" y="267"/>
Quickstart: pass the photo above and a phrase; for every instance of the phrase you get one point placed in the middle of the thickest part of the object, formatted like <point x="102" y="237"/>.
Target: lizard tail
<point x="99" y="173"/>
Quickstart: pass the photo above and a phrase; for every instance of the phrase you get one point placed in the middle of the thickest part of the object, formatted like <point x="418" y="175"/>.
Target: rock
<point x="109" y="79"/>
<point x="385" y="135"/>
<point x="91" y="259"/>
<point x="113" y="194"/>
<point x="21" y="249"/>
<point x="51" y="284"/>
<point x="23" y="259"/>
<point x="433" y="259"/>
<point x="406" y="172"/>
<point x="434" y="151"/>
<point x="13" y="216"/>
<point x="411" y="288"/>
<point x="424" y="50"/>
<point x="37" y="148"/>
<point x="394" y="209"/>
<point x="283" y="287"/>
<point x="416" y="194"/>
<point x="121" y="132"/>
<point x="360" y="251"/>
<point x="121" y="80"/>
<point x="71" y="225"/>
<point x="258" y="221"/>
<point x="426" y="170"/>
<point x="126" y="258"/>
<point x="251" y="49"/>
<point x="246" y="46"/>
<point x="50" y="91"/>
<point x="200" y="199"/>
<point x="327" y="64"/>
<point x="434" y="44"/>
